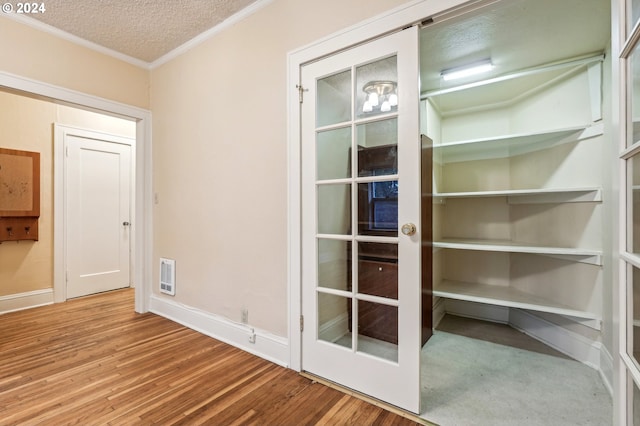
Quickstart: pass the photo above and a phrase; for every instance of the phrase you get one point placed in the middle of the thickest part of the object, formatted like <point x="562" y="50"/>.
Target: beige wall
<point x="27" y="124"/>
<point x="34" y="54"/>
<point x="220" y="158"/>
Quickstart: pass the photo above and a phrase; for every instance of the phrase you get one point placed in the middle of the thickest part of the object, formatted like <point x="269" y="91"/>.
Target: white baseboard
<point x="606" y="369"/>
<point x="30" y="299"/>
<point x="475" y="310"/>
<point x="438" y="311"/>
<point x="569" y="343"/>
<point x="268" y="346"/>
<point x="333" y="330"/>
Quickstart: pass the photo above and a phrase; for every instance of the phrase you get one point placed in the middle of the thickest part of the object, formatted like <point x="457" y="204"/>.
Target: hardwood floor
<point x="94" y="361"/>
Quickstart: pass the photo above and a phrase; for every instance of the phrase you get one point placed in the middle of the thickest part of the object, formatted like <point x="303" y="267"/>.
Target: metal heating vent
<point x="168" y="276"/>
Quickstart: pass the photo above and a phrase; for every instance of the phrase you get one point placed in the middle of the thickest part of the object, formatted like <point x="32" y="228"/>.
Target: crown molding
<point x="202" y="37"/>
<point x="197" y="40"/>
<point x="41" y="26"/>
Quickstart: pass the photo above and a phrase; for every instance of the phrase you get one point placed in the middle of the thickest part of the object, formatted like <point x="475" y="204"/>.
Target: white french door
<point x="360" y="219"/>
<point x="630" y="226"/>
<point x="97" y="211"/>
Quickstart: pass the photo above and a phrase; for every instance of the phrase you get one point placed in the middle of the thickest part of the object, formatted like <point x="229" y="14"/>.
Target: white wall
<point x="220" y="158"/>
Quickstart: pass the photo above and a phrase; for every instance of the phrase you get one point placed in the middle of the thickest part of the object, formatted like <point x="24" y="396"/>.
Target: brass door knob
<point x="408" y="229"/>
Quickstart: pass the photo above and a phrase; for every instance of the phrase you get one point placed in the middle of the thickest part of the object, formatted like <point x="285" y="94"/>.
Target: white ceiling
<point x="142" y="29"/>
<point x="515" y="34"/>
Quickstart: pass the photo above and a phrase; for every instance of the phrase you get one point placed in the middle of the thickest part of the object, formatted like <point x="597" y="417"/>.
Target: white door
<point x="97" y="212"/>
<point x="360" y="185"/>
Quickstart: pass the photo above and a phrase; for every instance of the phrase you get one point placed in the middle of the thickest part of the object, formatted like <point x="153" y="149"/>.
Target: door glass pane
<point x="634" y="15"/>
<point x="378" y="269"/>
<point x="333" y="154"/>
<point x="334" y="319"/>
<point x="634" y="223"/>
<point x="334" y="209"/>
<point x="634" y="88"/>
<point x="376" y="88"/>
<point x="378" y="148"/>
<point x="635" y="401"/>
<point x="334" y="264"/>
<point x="378" y="208"/>
<point x="334" y="99"/>
<point x="378" y="330"/>
<point x="633" y="346"/>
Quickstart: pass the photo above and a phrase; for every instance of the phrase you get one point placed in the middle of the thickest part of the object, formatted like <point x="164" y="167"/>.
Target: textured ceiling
<point x="142" y="29"/>
<point x="515" y="34"/>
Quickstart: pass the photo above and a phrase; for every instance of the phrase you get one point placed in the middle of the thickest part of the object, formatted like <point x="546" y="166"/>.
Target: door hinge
<point x="301" y="91"/>
<point x="301" y="323"/>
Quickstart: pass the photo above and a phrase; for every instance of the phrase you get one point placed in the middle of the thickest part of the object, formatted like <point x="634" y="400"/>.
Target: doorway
<point x="556" y="291"/>
<point x="142" y="120"/>
<point x="519" y="229"/>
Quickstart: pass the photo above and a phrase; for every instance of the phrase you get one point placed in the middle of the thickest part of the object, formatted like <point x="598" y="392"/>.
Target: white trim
<point x="333" y="330"/>
<point x="384" y="23"/>
<point x="438" y="310"/>
<point x="569" y="343"/>
<point x="266" y="345"/>
<point x="201" y="38"/>
<point x="606" y="369"/>
<point x="56" y="32"/>
<point x="27" y="300"/>
<point x="143" y="205"/>
<point x="197" y="40"/>
<point x="481" y="311"/>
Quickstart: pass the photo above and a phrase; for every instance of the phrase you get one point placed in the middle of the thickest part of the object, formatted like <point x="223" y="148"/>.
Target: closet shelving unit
<point x="517" y="286"/>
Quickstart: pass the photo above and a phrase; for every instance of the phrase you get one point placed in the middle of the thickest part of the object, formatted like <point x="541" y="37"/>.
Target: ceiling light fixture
<point x="381" y="95"/>
<point x="467" y="70"/>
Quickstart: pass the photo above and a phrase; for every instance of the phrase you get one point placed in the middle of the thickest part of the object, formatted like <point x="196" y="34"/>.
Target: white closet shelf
<point x="505" y="296"/>
<point x="514" y="144"/>
<point x="531" y="196"/>
<point x="593" y="257"/>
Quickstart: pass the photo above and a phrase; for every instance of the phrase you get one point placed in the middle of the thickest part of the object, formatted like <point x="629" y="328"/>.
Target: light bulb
<point x="373" y="99"/>
<point x="393" y="99"/>
<point x="367" y="107"/>
<point x="386" y="106"/>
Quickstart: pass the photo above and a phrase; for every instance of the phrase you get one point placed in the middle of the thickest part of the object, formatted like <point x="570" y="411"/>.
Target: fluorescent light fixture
<point x="467" y="70"/>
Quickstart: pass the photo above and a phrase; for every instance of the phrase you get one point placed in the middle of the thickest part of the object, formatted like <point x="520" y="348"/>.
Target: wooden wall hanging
<point x="19" y="195"/>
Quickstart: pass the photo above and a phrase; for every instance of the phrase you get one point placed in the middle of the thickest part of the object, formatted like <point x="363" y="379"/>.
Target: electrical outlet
<point x="252" y="337"/>
<point x="244" y="316"/>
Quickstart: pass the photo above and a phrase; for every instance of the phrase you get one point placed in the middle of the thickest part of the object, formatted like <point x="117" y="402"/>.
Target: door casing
<point x="143" y="179"/>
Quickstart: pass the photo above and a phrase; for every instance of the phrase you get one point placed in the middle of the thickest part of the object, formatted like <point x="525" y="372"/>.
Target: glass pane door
<point x="361" y="284"/>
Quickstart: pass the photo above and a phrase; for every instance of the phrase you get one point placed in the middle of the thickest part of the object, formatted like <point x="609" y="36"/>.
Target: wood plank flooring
<point x="94" y="361"/>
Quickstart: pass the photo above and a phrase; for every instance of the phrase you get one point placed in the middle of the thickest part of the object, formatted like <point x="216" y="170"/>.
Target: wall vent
<point x="168" y="276"/>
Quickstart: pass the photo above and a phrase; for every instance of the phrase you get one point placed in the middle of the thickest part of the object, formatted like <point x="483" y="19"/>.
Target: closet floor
<point x="473" y="380"/>
<point x="494" y="333"/>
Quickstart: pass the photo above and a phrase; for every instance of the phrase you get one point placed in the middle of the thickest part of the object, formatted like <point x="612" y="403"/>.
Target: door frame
<point x="378" y="26"/>
<point x="61" y="228"/>
<point x="142" y="237"/>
